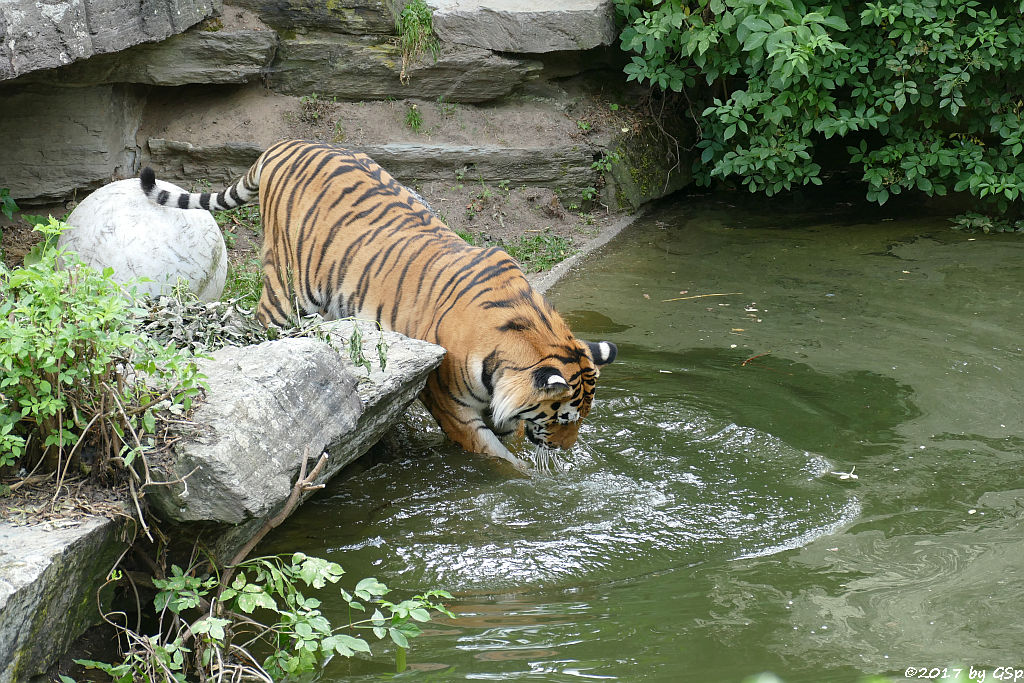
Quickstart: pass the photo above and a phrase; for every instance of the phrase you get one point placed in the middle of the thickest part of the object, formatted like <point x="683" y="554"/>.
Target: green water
<point x="706" y="528"/>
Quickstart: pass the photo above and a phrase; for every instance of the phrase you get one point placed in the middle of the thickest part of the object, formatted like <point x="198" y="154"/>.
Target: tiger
<point x="343" y="238"/>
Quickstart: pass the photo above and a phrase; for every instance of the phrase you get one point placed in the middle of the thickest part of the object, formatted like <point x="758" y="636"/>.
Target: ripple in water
<point x="650" y="487"/>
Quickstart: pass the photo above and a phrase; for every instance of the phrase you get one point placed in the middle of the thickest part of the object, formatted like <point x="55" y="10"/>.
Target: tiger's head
<point x="550" y="398"/>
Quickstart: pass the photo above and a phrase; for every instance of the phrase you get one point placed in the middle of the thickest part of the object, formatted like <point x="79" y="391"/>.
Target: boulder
<point x="267" y="404"/>
<point x="49" y="575"/>
<point x="117" y="226"/>
<point x="525" y="26"/>
<point x="363" y="68"/>
<point x="45" y="35"/>
<point x="63" y="140"/>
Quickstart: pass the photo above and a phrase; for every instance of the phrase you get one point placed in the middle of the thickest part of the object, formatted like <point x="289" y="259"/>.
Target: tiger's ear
<point x="550" y="381"/>
<point x="603" y="353"/>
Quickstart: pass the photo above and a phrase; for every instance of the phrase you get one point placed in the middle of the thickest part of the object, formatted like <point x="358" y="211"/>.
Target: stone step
<point x="567" y="168"/>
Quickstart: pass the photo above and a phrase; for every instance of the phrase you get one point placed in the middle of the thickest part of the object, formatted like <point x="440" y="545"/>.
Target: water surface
<point x="708" y="526"/>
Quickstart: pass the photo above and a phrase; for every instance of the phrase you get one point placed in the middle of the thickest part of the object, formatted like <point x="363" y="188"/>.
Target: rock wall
<point x="54" y="33"/>
<point x="75" y="75"/>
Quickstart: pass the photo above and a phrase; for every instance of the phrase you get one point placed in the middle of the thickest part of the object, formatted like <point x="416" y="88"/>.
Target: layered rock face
<point x="73" y="73"/>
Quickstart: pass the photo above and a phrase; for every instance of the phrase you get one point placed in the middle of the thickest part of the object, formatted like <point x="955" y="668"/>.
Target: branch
<point x="304" y="483"/>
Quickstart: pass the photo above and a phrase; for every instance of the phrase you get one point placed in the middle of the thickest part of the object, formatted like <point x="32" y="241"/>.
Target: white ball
<point x="117" y="226"/>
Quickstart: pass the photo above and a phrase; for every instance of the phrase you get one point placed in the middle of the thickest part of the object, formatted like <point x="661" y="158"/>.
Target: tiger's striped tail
<point x="242" y="191"/>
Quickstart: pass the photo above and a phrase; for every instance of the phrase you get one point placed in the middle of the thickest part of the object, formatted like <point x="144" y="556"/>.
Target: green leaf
<point x="398" y="637"/>
<point x="149" y="422"/>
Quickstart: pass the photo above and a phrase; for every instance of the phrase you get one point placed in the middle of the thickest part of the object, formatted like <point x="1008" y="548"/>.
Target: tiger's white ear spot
<point x="605" y="351"/>
<point x="555" y="380"/>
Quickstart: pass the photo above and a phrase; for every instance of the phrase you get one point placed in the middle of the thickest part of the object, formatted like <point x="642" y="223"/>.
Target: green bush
<point x="74" y="370"/>
<point x="929" y="92"/>
<point x="208" y="628"/>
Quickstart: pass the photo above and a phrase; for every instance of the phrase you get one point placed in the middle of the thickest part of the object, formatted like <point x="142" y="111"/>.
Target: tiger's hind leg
<point x="275" y="306"/>
<point x="464" y="425"/>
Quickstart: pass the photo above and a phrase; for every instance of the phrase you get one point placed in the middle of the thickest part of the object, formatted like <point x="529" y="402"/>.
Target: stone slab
<point x="340" y="16"/>
<point x="568" y="168"/>
<point x="267" y="404"/>
<point x="191" y="57"/>
<point x="367" y="68"/>
<point x="49" y="575"/>
<point x="525" y="26"/>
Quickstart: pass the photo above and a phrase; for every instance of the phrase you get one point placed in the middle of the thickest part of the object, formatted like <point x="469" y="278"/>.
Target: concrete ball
<point x="117" y="226"/>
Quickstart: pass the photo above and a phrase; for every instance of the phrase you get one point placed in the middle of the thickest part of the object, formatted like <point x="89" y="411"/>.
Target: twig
<point x="752" y="358"/>
<point x="700" y="296"/>
<point x="304" y="483"/>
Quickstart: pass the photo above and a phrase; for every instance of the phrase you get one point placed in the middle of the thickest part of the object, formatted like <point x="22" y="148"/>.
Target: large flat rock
<point x="49" y="575"/>
<point x="52" y="33"/>
<point x="525" y="26"/>
<point x="267" y="404"/>
<point x="235" y="56"/>
<point x="340" y="16"/>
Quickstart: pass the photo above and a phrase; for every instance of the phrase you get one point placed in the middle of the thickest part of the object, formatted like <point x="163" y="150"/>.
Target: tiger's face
<point x="551" y="398"/>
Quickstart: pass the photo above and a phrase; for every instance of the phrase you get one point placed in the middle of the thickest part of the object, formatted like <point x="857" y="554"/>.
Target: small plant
<point x="7" y="203"/>
<point x="415" y="27"/>
<point x="244" y="283"/>
<point x="589" y="194"/>
<point x="339" y="132"/>
<point x="605" y="163"/>
<point x="446" y="108"/>
<point x="976" y="222"/>
<point x="505" y="187"/>
<point x="536" y="253"/>
<point x="485" y="192"/>
<point x="583" y="126"/>
<point x="467" y="237"/>
<point x="246" y="216"/>
<point x="413" y="119"/>
<point x="313" y="107"/>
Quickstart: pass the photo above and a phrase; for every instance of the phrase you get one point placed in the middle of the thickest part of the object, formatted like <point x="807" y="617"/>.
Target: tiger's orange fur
<point x="355" y="242"/>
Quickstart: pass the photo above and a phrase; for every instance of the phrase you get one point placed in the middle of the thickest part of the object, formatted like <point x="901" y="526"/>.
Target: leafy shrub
<point x="976" y="222"/>
<point x="929" y="90"/>
<point x="75" y="371"/>
<point x="209" y="625"/>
